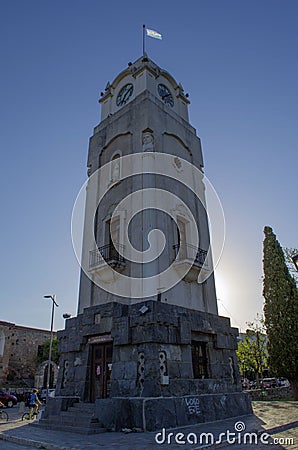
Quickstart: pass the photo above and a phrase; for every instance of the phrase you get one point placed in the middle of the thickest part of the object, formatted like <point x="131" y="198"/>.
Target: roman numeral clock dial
<point x="124" y="95"/>
<point x="165" y="95"/>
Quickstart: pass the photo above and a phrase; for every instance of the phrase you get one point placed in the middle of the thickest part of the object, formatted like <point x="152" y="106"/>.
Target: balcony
<point x="191" y="260"/>
<point x="106" y="262"/>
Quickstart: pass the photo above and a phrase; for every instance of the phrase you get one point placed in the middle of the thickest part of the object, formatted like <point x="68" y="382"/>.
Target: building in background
<point x="19" y="348"/>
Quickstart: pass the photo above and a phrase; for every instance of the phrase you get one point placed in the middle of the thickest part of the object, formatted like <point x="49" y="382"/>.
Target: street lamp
<point x="295" y="261"/>
<point x="54" y="303"/>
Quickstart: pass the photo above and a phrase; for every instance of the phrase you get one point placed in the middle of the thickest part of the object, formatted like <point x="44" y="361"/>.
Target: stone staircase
<point x="79" y="418"/>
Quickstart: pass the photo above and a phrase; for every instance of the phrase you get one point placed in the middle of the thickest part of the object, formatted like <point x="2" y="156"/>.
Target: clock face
<point x="165" y="95"/>
<point x="124" y="95"/>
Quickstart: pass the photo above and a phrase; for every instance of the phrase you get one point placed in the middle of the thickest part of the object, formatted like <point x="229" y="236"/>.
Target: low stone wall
<point x="280" y="393"/>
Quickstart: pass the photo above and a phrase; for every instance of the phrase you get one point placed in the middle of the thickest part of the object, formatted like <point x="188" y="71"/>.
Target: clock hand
<point x="126" y="95"/>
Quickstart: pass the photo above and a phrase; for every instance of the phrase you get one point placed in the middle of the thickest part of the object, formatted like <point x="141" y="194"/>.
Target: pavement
<point x="274" y="423"/>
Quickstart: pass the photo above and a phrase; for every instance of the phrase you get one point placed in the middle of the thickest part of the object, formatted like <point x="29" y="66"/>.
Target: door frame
<point x="99" y="367"/>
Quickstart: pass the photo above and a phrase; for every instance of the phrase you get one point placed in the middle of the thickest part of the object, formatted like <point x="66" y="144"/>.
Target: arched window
<point x="114" y="238"/>
<point x="182" y="237"/>
<point x="116" y="168"/>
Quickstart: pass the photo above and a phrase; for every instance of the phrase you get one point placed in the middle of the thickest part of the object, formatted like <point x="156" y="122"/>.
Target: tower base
<point x="152" y="414"/>
<point x="149" y="365"/>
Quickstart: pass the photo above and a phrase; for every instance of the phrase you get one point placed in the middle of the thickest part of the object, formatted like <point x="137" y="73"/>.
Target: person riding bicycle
<point x="34" y="402"/>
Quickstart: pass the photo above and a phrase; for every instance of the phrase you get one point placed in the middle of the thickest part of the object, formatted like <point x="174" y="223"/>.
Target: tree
<point x="281" y="312"/>
<point x="43" y="351"/>
<point x="252" y="350"/>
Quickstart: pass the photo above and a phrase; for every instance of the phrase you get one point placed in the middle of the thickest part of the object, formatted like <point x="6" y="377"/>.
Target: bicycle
<point x="30" y="415"/>
<point x="3" y="416"/>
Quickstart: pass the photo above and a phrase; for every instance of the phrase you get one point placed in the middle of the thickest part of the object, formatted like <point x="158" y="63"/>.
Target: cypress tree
<point x="281" y="312"/>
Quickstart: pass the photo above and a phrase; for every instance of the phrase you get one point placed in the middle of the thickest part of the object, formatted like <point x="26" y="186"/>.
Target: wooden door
<point x="114" y="238"/>
<point x="101" y="376"/>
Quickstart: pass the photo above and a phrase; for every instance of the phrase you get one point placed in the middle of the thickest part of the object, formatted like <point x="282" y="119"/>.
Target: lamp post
<point x="54" y="303"/>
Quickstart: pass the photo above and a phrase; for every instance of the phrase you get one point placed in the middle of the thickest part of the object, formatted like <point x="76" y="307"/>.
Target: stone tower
<point x="147" y="350"/>
<point x="145" y="110"/>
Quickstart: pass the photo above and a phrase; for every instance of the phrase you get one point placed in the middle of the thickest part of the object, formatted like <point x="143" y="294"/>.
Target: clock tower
<point x="147" y="348"/>
<point x="144" y="122"/>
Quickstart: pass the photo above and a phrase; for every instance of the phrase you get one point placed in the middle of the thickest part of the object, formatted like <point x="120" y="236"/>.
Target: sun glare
<point x="222" y="289"/>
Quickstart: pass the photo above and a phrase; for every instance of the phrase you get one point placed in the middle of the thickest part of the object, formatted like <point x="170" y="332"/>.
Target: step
<point x="81" y="410"/>
<point x="58" y="421"/>
<point x="82" y="406"/>
<point x="79" y="418"/>
<point x="76" y="415"/>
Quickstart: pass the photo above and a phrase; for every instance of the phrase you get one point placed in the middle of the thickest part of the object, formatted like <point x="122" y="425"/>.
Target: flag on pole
<point x="153" y="34"/>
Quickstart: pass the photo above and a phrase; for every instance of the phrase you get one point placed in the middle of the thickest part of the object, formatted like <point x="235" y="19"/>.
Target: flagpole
<point x="144" y="26"/>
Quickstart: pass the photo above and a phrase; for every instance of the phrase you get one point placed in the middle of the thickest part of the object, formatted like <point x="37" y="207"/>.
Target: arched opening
<point x="115" y="168"/>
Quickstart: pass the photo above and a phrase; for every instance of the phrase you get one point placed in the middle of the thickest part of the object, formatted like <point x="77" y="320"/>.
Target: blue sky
<point x="238" y="61"/>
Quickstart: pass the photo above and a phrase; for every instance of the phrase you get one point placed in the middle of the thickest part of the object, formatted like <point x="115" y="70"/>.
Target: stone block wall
<point x="151" y="352"/>
<point x="279" y="393"/>
<point x="18" y="353"/>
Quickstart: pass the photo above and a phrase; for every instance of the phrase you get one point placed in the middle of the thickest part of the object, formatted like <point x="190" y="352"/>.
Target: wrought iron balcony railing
<point x="188" y="251"/>
<point x="107" y="253"/>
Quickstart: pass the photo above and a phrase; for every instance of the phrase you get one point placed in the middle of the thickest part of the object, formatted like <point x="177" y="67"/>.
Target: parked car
<point x="269" y="383"/>
<point x="7" y="399"/>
